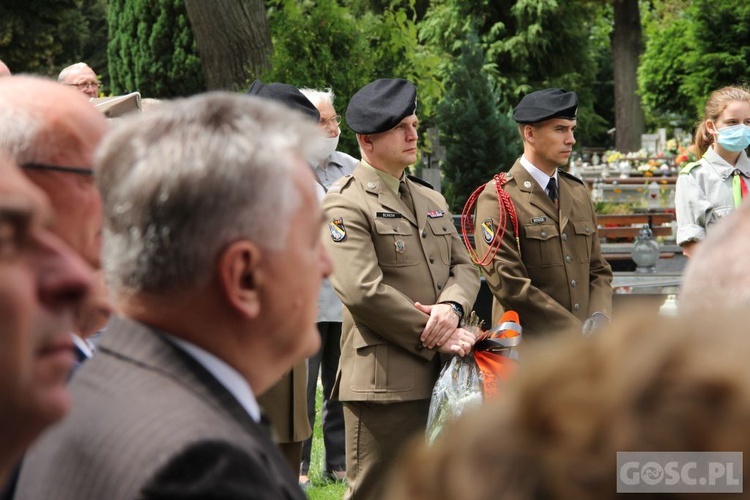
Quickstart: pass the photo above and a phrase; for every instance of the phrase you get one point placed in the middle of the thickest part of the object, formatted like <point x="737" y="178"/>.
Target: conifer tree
<point x="152" y="49"/>
<point x="479" y="136"/>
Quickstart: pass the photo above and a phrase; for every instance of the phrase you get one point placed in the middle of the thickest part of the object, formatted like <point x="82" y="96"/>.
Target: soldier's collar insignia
<point x="338" y="231"/>
<point x="488" y="231"/>
<point x="435" y="214"/>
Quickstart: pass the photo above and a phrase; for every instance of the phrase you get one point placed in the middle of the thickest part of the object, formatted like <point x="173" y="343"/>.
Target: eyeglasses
<point x="332" y="120"/>
<point x="89" y="172"/>
<point x="84" y="85"/>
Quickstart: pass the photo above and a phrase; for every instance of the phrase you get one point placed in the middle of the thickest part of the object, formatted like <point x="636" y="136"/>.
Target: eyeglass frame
<point x="335" y="119"/>
<point x="89" y="172"/>
<point x="85" y="85"/>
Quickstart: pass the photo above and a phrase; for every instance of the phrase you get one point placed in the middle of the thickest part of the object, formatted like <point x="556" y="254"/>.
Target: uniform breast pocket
<point x="542" y="247"/>
<point x="396" y="243"/>
<point x="442" y="229"/>
<point x="718" y="213"/>
<point x="585" y="231"/>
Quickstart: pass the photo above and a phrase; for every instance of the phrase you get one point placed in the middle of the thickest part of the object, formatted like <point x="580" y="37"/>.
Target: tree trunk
<point x="233" y="40"/>
<point x="627" y="45"/>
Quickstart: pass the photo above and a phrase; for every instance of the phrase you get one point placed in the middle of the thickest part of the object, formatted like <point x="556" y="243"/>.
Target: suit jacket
<point x="387" y="259"/>
<point x="559" y="277"/>
<point x="138" y="406"/>
<point x="285" y="404"/>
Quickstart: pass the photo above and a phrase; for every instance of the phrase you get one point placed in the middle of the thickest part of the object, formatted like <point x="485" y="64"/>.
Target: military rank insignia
<point x="338" y="231"/>
<point x="488" y="231"/>
<point x="435" y="214"/>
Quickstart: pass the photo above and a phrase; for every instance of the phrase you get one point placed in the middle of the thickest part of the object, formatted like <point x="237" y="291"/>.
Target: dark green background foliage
<point x="152" y="49"/>
<point x="481" y="139"/>
<point x="693" y="48"/>
<point x="42" y="37"/>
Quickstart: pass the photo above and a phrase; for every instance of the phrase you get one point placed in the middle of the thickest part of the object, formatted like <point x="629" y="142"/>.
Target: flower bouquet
<point x="466" y="382"/>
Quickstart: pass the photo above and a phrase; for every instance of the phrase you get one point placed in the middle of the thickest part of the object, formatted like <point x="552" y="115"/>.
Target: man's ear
<point x="365" y="142"/>
<point x="528" y="133"/>
<point x="241" y="276"/>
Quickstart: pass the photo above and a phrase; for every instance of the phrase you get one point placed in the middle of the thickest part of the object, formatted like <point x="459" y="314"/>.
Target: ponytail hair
<point x="715" y="105"/>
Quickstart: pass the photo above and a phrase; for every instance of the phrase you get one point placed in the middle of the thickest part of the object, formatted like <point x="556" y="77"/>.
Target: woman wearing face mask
<point x="712" y="187"/>
<point x="329" y="165"/>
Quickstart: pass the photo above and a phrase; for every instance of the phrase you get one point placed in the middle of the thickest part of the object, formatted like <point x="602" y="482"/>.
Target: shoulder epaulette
<point x="423" y="182"/>
<point x="570" y="176"/>
<point x="337" y="186"/>
<point x="690" y="166"/>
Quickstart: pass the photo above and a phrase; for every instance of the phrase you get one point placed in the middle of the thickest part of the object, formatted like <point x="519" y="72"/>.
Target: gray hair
<point x="20" y="133"/>
<point x="716" y="276"/>
<point x="186" y="179"/>
<point x="72" y="69"/>
<point x="318" y="96"/>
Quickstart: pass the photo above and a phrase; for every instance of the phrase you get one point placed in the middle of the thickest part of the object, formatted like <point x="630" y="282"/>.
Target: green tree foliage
<point x="692" y="48"/>
<point x="322" y="44"/>
<point x="529" y="45"/>
<point x="42" y="37"/>
<point x="480" y="140"/>
<point x="152" y="50"/>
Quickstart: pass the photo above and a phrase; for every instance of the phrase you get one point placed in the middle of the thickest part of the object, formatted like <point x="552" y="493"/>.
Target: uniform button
<point x="544" y="234"/>
<point x="587" y="229"/>
<point x="439" y="286"/>
<point x="443" y="228"/>
<point x="573" y="283"/>
<point x="432" y="260"/>
<point x="567" y="258"/>
<point x="565" y="237"/>
<point x="424" y="233"/>
<point x="576" y="307"/>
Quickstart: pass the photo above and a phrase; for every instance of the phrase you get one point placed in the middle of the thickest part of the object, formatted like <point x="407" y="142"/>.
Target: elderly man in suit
<point x="42" y="281"/>
<point x="52" y="133"/>
<point x="212" y="250"/>
<point x="405" y="280"/>
<point x="544" y="258"/>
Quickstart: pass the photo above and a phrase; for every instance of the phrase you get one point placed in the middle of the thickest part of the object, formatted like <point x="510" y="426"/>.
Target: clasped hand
<point x="442" y="330"/>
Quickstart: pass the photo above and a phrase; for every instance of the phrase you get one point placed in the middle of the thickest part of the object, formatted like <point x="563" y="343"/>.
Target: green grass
<point x="321" y="489"/>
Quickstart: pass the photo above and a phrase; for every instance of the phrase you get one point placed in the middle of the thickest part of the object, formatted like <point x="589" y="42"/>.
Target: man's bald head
<point x="43" y="123"/>
<point x="4" y="70"/>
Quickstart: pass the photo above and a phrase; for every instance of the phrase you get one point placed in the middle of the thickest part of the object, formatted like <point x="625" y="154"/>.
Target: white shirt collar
<point x="225" y="374"/>
<point x="86" y="347"/>
<point x="540" y="177"/>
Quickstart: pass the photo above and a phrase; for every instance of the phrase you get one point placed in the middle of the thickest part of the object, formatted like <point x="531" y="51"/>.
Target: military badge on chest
<point x="338" y="231"/>
<point x="488" y="231"/>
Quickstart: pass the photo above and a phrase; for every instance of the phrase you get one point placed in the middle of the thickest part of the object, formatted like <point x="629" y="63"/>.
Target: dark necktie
<point x="552" y="190"/>
<point x="403" y="191"/>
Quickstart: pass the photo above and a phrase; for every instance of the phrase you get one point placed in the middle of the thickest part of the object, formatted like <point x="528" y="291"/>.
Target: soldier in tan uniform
<point x="553" y="273"/>
<point x="405" y="280"/>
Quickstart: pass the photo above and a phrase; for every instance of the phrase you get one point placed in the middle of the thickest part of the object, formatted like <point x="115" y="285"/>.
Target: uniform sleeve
<point x="358" y="280"/>
<point x="600" y="277"/>
<point x="508" y="278"/>
<point x="463" y="285"/>
<point x="691" y="206"/>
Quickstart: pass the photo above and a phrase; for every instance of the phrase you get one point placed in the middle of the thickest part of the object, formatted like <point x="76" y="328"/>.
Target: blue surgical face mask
<point x="734" y="138"/>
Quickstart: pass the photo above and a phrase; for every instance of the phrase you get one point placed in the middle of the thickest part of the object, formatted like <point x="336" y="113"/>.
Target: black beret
<point x="285" y="94"/>
<point x="545" y="104"/>
<point x="381" y="105"/>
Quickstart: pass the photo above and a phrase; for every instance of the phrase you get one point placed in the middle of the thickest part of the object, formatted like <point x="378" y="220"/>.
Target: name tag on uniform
<point x="538" y="220"/>
<point x="435" y="214"/>
<point x="388" y="215"/>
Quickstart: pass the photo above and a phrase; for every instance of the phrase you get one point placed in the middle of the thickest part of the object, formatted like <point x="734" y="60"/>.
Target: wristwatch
<point x="456" y="309"/>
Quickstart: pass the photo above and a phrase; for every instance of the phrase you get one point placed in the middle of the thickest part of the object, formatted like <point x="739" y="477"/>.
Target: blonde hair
<point x="715" y="105"/>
